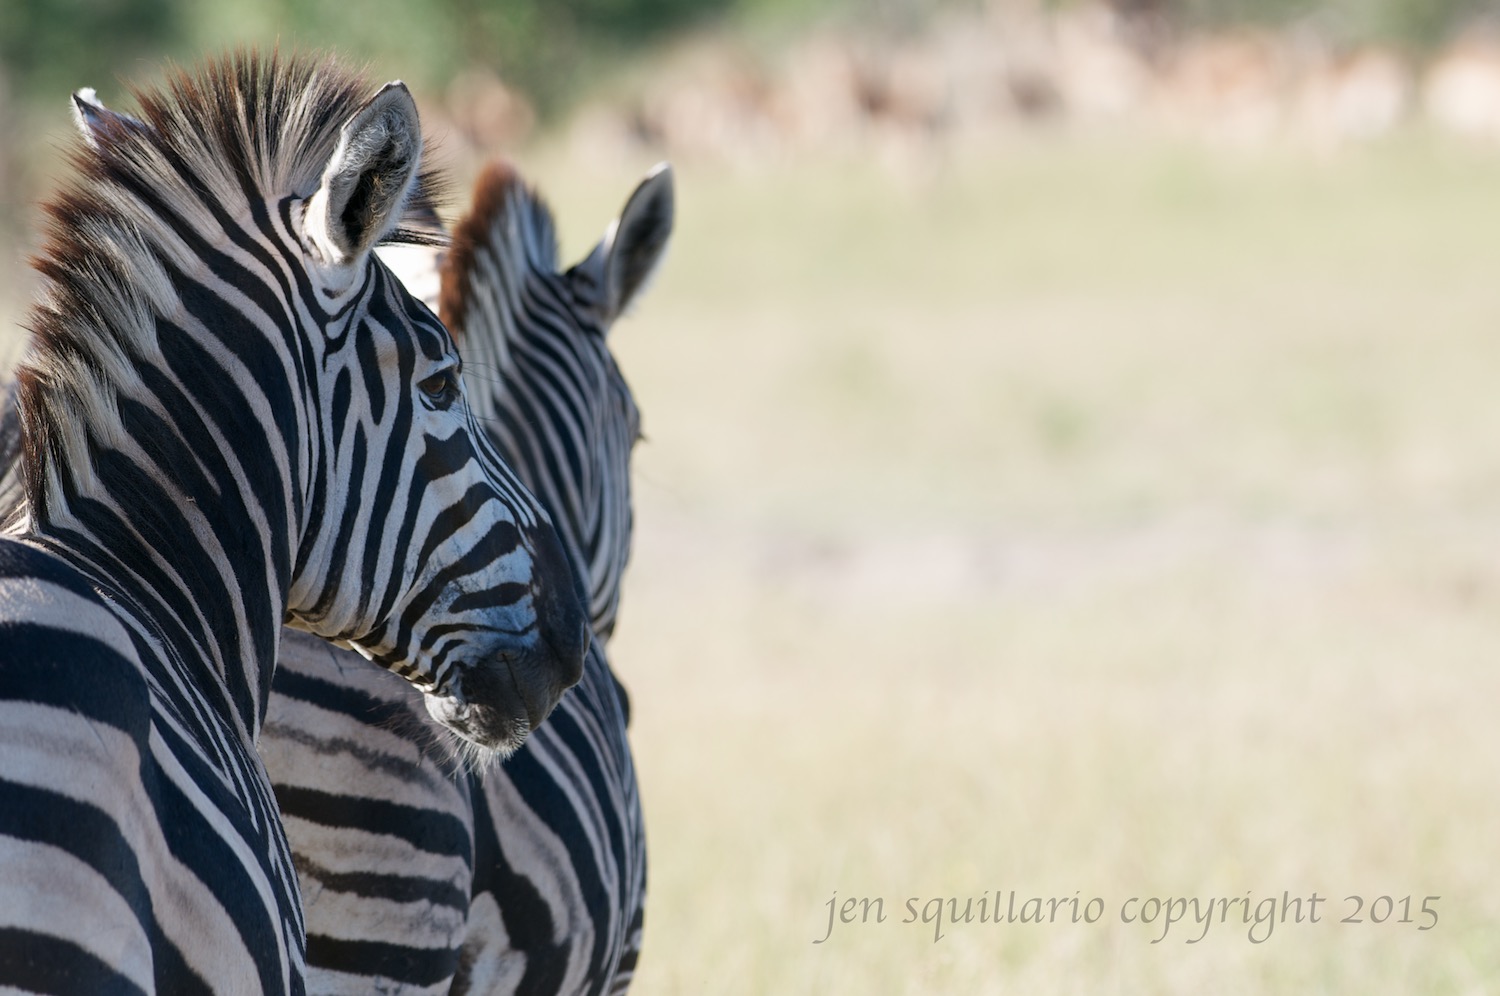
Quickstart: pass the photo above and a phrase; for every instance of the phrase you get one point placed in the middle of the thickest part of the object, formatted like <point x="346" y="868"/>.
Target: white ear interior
<point x="366" y="181"/>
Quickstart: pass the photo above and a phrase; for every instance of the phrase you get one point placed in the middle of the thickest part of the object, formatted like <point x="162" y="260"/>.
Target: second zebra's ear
<point x="366" y="181"/>
<point x="621" y="265"/>
<point x="97" y="122"/>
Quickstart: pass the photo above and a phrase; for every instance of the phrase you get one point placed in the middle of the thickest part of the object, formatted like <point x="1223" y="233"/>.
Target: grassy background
<point x="1087" y="517"/>
<point x="1092" y="518"/>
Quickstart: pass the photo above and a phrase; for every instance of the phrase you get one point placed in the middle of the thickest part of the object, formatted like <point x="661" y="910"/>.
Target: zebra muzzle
<point x="498" y="700"/>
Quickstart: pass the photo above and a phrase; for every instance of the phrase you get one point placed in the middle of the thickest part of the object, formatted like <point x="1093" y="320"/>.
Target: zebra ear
<point x="364" y="186"/>
<point x="98" y="122"/>
<point x="622" y="264"/>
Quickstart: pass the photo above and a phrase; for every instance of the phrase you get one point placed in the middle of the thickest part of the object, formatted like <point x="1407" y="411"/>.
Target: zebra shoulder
<point x="63" y="645"/>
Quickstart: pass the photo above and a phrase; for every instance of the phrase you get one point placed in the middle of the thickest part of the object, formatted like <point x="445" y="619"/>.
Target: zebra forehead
<point x="432" y="338"/>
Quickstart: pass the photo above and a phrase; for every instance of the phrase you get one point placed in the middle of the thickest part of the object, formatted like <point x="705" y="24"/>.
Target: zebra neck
<point x="190" y="555"/>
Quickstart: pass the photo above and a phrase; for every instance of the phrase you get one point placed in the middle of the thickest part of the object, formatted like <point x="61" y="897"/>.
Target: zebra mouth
<point x="496" y="704"/>
<point x="497" y="726"/>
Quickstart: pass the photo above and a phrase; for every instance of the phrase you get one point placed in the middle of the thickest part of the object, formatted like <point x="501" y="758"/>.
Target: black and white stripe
<point x="232" y="415"/>
<point x="421" y="876"/>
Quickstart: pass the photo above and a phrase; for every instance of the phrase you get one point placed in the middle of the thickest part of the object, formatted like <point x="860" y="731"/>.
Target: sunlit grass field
<point x="1084" y="519"/>
<point x="1078" y="519"/>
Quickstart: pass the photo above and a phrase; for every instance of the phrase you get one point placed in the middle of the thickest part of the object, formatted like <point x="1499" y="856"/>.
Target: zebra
<point x="423" y="876"/>
<point x="232" y="415"/>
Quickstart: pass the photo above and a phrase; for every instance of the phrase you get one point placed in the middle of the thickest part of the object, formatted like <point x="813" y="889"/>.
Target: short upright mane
<point x="214" y="149"/>
<point x="508" y="217"/>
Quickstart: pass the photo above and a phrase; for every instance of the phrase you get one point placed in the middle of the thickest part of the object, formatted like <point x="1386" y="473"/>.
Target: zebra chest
<point x="379" y="817"/>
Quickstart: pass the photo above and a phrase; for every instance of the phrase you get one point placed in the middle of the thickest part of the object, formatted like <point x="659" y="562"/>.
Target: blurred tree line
<point x="548" y="48"/>
<point x="1416" y="25"/>
<point x="545" y="47"/>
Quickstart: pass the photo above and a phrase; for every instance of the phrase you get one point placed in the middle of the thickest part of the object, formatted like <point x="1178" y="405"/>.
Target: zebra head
<point x="297" y="413"/>
<point x="545" y="382"/>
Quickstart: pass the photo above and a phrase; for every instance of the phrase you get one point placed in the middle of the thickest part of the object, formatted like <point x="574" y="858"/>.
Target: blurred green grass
<point x="1091" y="517"/>
<point x="1088" y="516"/>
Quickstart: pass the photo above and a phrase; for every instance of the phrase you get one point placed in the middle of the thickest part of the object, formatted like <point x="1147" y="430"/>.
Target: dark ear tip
<point x="653" y="205"/>
<point x="86" y="104"/>
<point x="88" y="114"/>
<point x="392" y="99"/>
<point x="662" y="179"/>
<point x="394" y="91"/>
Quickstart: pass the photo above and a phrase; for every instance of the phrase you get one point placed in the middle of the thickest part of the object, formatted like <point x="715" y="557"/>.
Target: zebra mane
<point x="208" y="150"/>
<point x="507" y="218"/>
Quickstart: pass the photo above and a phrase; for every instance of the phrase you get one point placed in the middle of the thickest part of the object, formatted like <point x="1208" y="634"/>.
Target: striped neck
<point x="167" y="432"/>
<point x="183" y="508"/>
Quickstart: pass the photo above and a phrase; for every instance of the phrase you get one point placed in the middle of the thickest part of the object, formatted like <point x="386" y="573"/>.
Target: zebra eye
<point x="441" y="389"/>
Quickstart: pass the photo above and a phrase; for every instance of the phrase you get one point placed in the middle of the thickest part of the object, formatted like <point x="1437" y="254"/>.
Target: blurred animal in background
<point x="421" y="875"/>
<point x="232" y="416"/>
